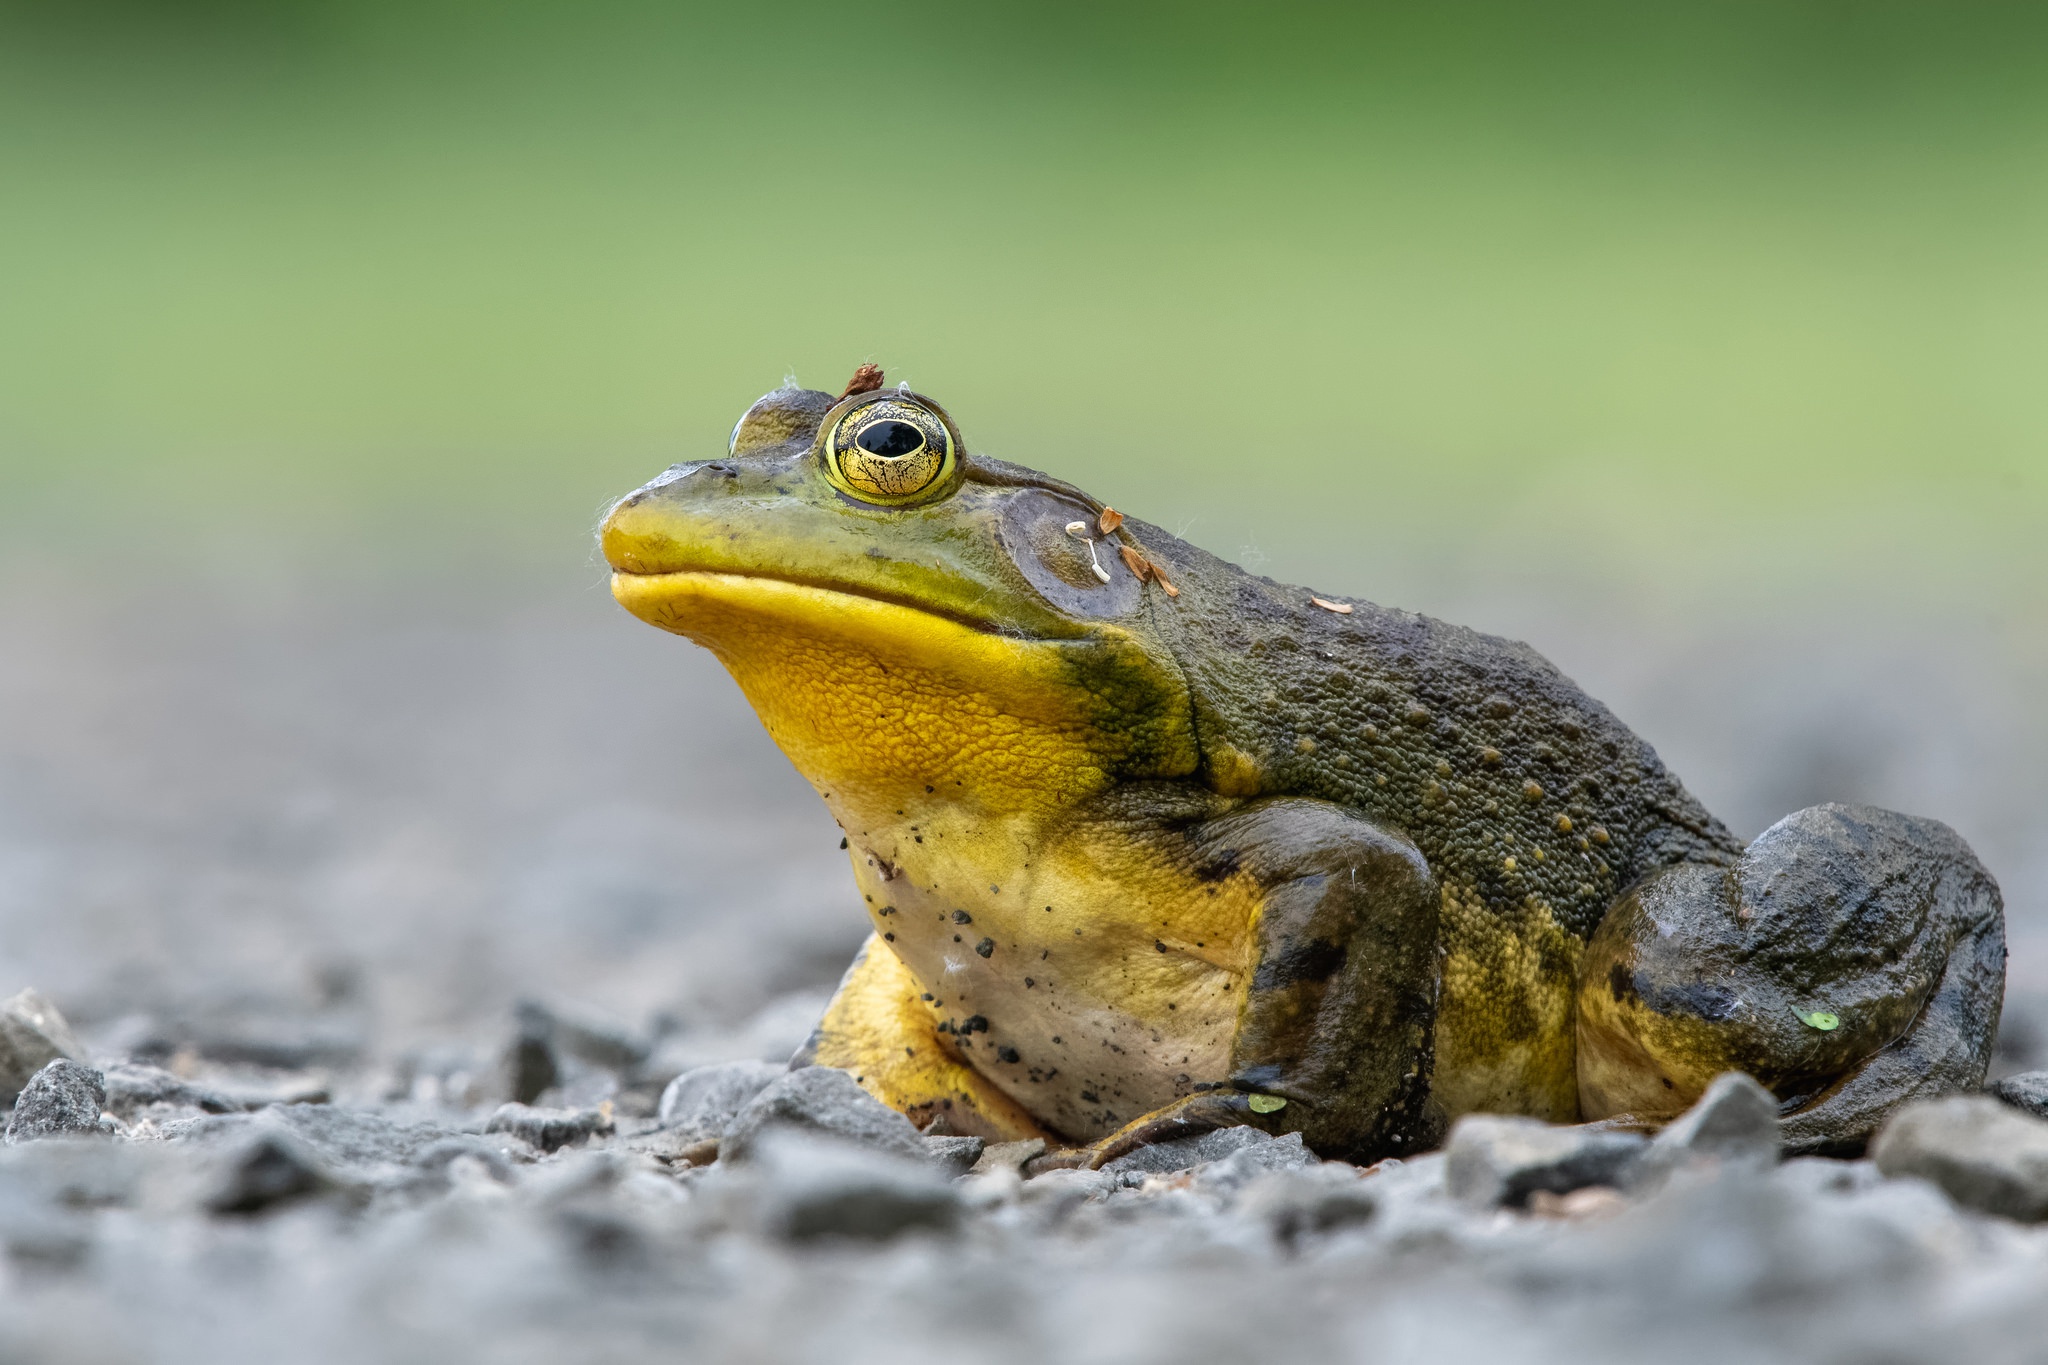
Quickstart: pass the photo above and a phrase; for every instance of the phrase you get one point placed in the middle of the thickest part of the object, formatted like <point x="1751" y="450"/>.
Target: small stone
<point x="132" y="1086"/>
<point x="1981" y="1151"/>
<point x="806" y="1186"/>
<point x="1308" y="1202"/>
<point x="2027" y="1091"/>
<point x="1248" y="1163"/>
<point x="826" y="1101"/>
<point x="1735" y="1123"/>
<point x="954" y="1155"/>
<point x="1008" y="1156"/>
<point x="1161" y="1158"/>
<point x="32" y="1035"/>
<point x="704" y="1100"/>
<point x="64" y="1098"/>
<point x="1493" y="1160"/>
<point x="549" y="1129"/>
<point x="267" y="1169"/>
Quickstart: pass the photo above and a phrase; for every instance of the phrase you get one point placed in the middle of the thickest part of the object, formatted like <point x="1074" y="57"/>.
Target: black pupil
<point x="889" y="439"/>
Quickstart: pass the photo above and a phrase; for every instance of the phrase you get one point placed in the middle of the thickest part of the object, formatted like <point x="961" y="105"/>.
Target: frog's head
<point x="912" y="622"/>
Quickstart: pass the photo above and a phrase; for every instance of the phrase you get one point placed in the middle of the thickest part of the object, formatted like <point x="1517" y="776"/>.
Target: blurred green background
<point x="1745" y="298"/>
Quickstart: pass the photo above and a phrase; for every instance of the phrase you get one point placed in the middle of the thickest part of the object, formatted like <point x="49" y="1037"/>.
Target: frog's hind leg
<point x="1851" y="960"/>
<point x="878" y="1028"/>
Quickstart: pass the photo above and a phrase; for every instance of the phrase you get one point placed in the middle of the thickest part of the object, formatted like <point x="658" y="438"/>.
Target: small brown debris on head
<point x="1135" y="562"/>
<point x="866" y="379"/>
<point x="1109" y="520"/>
<point x="1341" y="608"/>
<point x="1159" y="577"/>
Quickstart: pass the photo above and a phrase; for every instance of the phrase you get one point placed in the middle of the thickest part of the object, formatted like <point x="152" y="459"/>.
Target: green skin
<point x="1406" y="793"/>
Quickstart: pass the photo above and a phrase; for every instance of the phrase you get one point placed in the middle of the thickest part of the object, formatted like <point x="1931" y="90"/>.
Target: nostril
<point x="721" y="467"/>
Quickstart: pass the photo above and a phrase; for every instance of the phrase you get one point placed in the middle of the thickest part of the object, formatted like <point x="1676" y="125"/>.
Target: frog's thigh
<point x="1851" y="960"/>
<point x="877" y="1028"/>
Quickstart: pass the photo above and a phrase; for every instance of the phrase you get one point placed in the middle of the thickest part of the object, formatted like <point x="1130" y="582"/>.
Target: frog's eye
<point x="891" y="451"/>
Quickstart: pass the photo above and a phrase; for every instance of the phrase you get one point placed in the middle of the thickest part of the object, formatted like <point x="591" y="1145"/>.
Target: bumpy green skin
<point x="1481" y="742"/>
<point x="1367" y="768"/>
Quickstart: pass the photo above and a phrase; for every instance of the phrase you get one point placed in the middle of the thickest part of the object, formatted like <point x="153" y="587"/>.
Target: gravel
<point x="1493" y="1160"/>
<point x="821" y="1100"/>
<point x="1983" y="1153"/>
<point x="65" y="1097"/>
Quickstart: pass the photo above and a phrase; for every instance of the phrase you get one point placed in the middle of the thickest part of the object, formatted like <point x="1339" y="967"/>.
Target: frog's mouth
<point x="784" y="633"/>
<point x="664" y="598"/>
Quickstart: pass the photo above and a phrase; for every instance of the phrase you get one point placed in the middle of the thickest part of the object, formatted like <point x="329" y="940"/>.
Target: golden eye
<point x="891" y="451"/>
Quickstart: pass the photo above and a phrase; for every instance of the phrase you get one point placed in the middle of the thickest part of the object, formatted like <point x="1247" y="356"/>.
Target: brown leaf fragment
<point x="866" y="379"/>
<point x="1109" y="520"/>
<point x="1135" y="562"/>
<point x="1341" y="608"/>
<point x="1160" y="575"/>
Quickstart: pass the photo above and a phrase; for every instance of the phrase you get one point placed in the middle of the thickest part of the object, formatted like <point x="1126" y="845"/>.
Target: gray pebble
<point x="1008" y="1156"/>
<point x="1308" y="1201"/>
<point x="264" y="1170"/>
<point x="704" y="1100"/>
<point x="825" y="1101"/>
<point x="2027" y="1091"/>
<point x="132" y="1086"/>
<point x="65" y="1097"/>
<point x="548" y="1129"/>
<point x="1493" y="1159"/>
<point x="1735" y="1123"/>
<point x="1161" y="1158"/>
<point x="954" y="1155"/>
<point x="1984" y="1153"/>
<point x="1252" y="1160"/>
<point x="807" y="1186"/>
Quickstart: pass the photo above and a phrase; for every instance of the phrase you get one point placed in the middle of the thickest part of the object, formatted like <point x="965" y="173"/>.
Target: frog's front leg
<point x="877" y="1029"/>
<point x="1334" y="1036"/>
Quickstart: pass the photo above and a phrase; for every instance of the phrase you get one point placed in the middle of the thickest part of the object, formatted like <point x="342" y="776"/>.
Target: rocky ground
<point x="206" y="1211"/>
<point x="420" y="950"/>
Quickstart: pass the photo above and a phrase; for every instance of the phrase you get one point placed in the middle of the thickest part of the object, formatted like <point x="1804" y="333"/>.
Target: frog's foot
<point x="1851" y="960"/>
<point x="876" y="1028"/>
<point x="1195" y="1114"/>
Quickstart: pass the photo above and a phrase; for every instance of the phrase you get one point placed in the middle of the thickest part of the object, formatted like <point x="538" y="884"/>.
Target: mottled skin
<point x="1142" y="860"/>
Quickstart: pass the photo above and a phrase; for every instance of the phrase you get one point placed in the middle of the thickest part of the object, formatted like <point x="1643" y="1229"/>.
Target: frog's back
<point x="1510" y="779"/>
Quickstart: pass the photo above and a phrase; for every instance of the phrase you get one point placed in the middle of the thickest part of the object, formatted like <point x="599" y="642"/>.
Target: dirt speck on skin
<point x="326" y="877"/>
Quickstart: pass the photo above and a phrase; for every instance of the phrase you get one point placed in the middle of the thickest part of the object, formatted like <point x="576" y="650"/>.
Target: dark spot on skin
<point x="1667" y="1083"/>
<point x="1701" y="999"/>
<point x="886" y="910"/>
<point x="1312" y="960"/>
<point x="929" y="787"/>
<point x="977" y="1023"/>
<point x="842" y="844"/>
<point x="956" y="938"/>
<point x="1088" y="1095"/>
<point x="1008" y="1054"/>
<point x="985" y="947"/>
<point x="1158" y="946"/>
<point x="962" y="917"/>
<point x="1029" y="983"/>
<point x="926" y="996"/>
<point x="888" y="938"/>
<point x="1620" y="984"/>
<point x="1219" y="867"/>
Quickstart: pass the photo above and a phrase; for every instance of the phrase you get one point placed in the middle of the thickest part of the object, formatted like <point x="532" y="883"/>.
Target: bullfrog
<point x="1150" y="845"/>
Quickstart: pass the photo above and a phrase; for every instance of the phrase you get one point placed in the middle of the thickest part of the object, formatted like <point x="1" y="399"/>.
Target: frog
<point x="1149" y="845"/>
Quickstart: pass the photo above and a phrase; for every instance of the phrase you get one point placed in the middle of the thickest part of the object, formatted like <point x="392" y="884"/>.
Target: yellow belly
<point x="1081" y="972"/>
